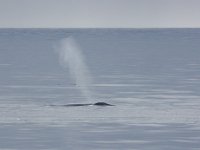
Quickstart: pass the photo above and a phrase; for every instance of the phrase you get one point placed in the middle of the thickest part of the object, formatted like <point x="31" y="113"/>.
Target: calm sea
<point x="152" y="76"/>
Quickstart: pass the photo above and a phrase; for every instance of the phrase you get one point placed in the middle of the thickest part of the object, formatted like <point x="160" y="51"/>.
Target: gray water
<point x="152" y="76"/>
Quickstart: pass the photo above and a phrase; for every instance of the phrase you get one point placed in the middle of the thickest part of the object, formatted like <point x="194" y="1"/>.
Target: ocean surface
<point x="152" y="76"/>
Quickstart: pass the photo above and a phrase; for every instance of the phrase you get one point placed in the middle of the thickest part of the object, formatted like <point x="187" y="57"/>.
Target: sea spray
<point x="71" y="57"/>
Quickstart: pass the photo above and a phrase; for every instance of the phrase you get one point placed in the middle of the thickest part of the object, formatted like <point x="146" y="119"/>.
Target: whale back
<point x="102" y="104"/>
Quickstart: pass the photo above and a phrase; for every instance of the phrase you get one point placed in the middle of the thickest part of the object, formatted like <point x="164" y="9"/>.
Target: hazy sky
<point x="100" y="13"/>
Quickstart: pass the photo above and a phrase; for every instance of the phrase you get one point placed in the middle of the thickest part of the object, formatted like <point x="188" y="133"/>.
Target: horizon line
<point x="99" y="27"/>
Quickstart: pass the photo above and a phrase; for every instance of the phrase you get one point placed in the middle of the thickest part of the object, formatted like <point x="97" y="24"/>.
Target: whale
<point x="102" y="104"/>
<point x="88" y="104"/>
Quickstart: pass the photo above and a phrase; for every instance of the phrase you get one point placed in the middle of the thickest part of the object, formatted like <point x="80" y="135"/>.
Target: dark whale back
<point x="90" y="104"/>
<point x="102" y="104"/>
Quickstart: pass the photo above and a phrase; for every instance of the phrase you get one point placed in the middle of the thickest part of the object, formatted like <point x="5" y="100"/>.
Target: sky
<point x="99" y="13"/>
